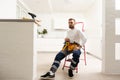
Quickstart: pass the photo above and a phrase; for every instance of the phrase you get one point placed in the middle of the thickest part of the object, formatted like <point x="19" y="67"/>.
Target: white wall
<point x="94" y="28"/>
<point x="22" y="10"/>
<point x="7" y="9"/>
<point x="12" y="9"/>
<point x="48" y="21"/>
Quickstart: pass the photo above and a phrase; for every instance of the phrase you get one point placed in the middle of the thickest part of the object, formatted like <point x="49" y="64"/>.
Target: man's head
<point x="71" y="23"/>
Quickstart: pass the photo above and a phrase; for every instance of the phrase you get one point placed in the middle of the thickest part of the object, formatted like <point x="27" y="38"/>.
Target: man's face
<point x="71" y="24"/>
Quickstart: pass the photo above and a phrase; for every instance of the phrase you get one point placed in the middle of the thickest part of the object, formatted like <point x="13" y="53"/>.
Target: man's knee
<point x="59" y="56"/>
<point x="76" y="53"/>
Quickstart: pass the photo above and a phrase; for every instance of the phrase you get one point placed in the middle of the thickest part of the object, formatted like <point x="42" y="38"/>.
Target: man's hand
<point x="80" y="46"/>
<point x="67" y="40"/>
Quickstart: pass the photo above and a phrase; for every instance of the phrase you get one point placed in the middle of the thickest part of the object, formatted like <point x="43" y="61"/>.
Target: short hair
<point x="71" y="19"/>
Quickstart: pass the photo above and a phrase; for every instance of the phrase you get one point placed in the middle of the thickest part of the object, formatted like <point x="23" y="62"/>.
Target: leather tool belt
<point x="71" y="46"/>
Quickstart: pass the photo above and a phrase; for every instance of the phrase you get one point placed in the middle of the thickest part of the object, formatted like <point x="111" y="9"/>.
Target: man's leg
<point x="74" y="62"/>
<point x="57" y="61"/>
<point x="54" y="67"/>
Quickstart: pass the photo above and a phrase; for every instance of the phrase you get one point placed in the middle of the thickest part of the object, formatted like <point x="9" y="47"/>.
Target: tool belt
<point x="70" y="46"/>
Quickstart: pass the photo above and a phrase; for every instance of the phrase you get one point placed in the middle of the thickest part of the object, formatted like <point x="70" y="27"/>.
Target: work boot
<point x="70" y="73"/>
<point x="47" y="76"/>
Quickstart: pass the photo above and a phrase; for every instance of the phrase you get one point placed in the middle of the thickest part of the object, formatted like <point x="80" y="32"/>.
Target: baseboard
<point x="94" y="55"/>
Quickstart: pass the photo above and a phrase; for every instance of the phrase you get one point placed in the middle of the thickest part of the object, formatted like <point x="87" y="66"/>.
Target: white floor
<point x="91" y="71"/>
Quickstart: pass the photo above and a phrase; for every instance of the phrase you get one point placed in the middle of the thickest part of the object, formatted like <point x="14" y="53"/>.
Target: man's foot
<point x="70" y="73"/>
<point x="47" y="76"/>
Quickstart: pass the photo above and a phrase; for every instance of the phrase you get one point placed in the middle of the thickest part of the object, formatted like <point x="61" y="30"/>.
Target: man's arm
<point x="83" y="38"/>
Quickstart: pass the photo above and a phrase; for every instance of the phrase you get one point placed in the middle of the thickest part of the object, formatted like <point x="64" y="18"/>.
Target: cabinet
<point x="17" y="49"/>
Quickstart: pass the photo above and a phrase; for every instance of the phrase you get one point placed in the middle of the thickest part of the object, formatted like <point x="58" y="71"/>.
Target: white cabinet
<point x="17" y="50"/>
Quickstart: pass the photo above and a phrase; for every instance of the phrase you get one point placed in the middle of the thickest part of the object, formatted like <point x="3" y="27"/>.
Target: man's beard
<point x="71" y="27"/>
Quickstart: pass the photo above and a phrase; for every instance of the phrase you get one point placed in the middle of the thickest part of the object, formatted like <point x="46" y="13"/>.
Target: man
<point x="73" y="43"/>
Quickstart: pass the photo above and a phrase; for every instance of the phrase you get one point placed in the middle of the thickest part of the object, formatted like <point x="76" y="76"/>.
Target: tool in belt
<point x="70" y="46"/>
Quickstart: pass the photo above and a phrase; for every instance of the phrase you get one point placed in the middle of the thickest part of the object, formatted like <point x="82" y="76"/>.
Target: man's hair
<point x="71" y="19"/>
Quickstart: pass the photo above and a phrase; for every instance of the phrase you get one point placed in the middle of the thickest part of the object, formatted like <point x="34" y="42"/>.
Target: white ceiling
<point x="46" y="6"/>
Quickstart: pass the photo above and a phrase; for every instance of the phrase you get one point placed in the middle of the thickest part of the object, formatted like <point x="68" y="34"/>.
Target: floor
<point x="91" y="71"/>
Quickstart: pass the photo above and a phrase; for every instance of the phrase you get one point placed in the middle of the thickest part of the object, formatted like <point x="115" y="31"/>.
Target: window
<point x="117" y="51"/>
<point x="117" y="26"/>
<point x="117" y="4"/>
